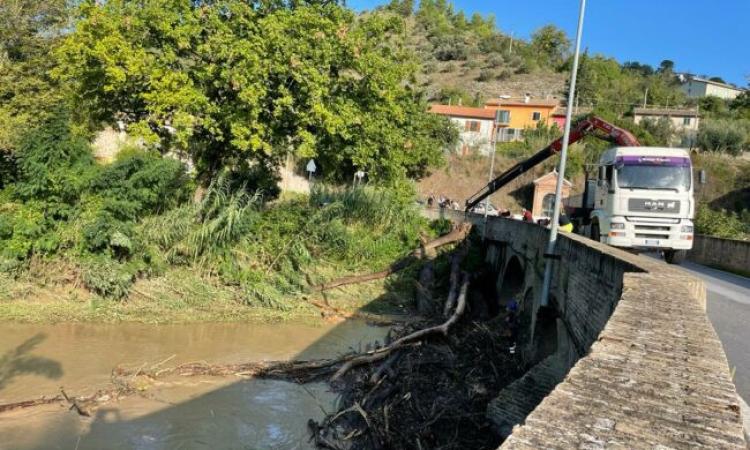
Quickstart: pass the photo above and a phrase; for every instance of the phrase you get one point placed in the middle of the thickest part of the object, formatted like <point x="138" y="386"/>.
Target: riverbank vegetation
<point x="213" y="98"/>
<point x="133" y="229"/>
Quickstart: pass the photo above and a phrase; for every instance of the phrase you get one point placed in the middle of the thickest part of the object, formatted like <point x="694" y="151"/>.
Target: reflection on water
<point x="180" y="413"/>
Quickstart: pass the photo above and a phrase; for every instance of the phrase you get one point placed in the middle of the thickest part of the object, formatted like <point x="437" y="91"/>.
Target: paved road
<point x="729" y="311"/>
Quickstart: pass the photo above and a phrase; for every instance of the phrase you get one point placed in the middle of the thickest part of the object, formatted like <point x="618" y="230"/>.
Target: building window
<point x="536" y="115"/>
<point x="686" y="121"/>
<point x="472" y="125"/>
<point x="506" y="134"/>
<point x="503" y="116"/>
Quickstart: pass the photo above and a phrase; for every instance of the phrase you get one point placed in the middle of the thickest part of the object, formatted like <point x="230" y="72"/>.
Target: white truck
<point x="641" y="199"/>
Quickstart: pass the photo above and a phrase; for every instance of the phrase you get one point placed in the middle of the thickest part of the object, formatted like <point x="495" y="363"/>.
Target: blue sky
<point x="700" y="36"/>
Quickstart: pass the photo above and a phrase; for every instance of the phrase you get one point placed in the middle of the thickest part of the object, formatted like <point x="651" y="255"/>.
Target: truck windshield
<point x="653" y="177"/>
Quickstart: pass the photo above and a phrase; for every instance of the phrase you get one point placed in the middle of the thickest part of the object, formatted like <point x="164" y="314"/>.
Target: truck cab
<point x="642" y="199"/>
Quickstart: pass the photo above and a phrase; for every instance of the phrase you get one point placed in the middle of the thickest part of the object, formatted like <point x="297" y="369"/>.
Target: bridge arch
<point x="511" y="282"/>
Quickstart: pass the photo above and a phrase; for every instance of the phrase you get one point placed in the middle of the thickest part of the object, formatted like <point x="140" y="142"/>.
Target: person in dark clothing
<point x="564" y="224"/>
<point x="512" y="320"/>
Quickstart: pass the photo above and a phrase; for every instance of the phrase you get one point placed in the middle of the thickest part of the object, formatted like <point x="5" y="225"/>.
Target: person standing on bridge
<point x="565" y="225"/>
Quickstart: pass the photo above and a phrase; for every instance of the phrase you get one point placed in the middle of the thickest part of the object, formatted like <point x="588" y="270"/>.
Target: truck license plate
<point x="654" y="242"/>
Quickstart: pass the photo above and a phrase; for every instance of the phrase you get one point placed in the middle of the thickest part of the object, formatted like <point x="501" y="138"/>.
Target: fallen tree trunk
<point x="30" y="403"/>
<point x="454" y="279"/>
<point x="383" y="352"/>
<point x="458" y="234"/>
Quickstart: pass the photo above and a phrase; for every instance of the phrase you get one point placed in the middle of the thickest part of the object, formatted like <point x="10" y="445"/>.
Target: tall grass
<point x="268" y="254"/>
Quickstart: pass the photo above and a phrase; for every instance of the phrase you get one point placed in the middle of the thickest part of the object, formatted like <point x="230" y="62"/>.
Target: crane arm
<point x="593" y="126"/>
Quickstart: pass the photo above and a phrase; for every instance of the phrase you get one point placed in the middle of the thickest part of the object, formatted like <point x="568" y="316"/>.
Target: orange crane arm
<point x="590" y="126"/>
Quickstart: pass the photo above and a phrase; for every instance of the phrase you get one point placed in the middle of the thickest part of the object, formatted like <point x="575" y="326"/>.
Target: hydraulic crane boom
<point x="593" y="126"/>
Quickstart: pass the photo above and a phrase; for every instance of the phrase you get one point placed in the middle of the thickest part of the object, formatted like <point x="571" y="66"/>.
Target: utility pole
<point x="544" y="301"/>
<point x="645" y="98"/>
<point x="510" y="44"/>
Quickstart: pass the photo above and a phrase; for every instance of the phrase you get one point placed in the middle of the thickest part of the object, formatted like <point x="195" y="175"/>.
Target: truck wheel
<point x="595" y="232"/>
<point x="674" y="256"/>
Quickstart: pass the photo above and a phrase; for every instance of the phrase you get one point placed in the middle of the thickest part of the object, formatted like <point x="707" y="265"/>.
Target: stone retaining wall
<point x="656" y="376"/>
<point x="727" y="254"/>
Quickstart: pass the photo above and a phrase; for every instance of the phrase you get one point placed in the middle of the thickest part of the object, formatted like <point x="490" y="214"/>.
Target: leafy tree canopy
<point x="551" y="44"/>
<point x="28" y="30"/>
<point x="241" y="85"/>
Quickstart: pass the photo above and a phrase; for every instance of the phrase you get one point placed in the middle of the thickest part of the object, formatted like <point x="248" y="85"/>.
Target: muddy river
<point x="189" y="413"/>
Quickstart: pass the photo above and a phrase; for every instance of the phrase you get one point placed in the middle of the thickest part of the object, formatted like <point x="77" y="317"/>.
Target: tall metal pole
<point x="493" y="138"/>
<point x="563" y="157"/>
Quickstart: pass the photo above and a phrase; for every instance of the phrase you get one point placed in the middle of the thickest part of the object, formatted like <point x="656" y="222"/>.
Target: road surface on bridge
<point x="729" y="311"/>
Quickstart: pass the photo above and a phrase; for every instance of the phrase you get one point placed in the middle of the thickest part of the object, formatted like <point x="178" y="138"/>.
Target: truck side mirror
<point x="702" y="176"/>
<point x="602" y="178"/>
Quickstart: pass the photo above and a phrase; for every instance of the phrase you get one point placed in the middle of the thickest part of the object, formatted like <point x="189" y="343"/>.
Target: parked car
<point x="479" y="209"/>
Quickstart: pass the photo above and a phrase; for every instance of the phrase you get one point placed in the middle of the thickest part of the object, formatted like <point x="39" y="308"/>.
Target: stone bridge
<point x="624" y="356"/>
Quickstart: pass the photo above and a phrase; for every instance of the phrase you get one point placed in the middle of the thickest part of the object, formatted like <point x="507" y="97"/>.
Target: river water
<point x="189" y="413"/>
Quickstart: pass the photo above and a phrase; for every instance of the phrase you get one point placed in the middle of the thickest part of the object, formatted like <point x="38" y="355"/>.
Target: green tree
<point x="239" y="86"/>
<point x="666" y="67"/>
<point x="661" y="130"/>
<point x="403" y="7"/>
<point x="29" y="29"/>
<point x="551" y="45"/>
<point x="740" y="106"/>
<point x="724" y="136"/>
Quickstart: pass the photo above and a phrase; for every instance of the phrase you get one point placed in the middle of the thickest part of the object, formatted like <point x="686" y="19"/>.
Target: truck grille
<point x="652" y="228"/>
<point x="651" y="236"/>
<point x="648" y="205"/>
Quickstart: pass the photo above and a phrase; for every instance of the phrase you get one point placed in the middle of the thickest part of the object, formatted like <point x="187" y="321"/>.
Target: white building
<point x="475" y="126"/>
<point x="684" y="122"/>
<point x="682" y="119"/>
<point x="695" y="87"/>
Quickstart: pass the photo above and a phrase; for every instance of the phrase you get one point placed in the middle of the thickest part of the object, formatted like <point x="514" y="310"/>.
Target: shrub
<point x="486" y="75"/>
<point x="720" y="223"/>
<point x="725" y="136"/>
<point x="450" y="48"/>
<point x="53" y="163"/>
<point x="504" y="74"/>
<point x="472" y="64"/>
<point x="141" y="182"/>
<point x="495" y="60"/>
<point x="107" y="278"/>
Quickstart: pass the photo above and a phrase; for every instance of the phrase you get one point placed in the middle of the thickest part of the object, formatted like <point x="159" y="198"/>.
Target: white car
<point x="491" y="210"/>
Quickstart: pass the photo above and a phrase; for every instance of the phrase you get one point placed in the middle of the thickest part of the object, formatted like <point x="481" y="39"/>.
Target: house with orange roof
<point x="475" y="126"/>
<point x="516" y="115"/>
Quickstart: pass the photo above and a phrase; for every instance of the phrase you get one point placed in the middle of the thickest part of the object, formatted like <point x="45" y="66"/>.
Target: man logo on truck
<point x="654" y="204"/>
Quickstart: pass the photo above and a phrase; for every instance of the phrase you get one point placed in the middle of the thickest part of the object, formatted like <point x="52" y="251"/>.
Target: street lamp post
<point x="493" y="138"/>
<point x="544" y="301"/>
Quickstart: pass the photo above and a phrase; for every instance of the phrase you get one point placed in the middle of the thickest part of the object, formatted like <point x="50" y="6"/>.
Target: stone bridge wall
<point x="637" y="364"/>
<point x="727" y="254"/>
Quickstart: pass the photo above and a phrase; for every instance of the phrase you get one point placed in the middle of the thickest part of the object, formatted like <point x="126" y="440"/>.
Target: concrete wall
<point x="473" y="140"/>
<point x="636" y="363"/>
<point x="727" y="254"/>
